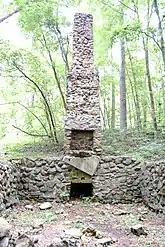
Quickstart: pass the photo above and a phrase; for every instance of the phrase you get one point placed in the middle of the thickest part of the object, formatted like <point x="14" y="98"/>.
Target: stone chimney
<point x="82" y="126"/>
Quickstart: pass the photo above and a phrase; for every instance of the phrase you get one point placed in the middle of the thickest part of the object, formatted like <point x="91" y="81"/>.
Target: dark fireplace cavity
<point x="81" y="140"/>
<point x="79" y="190"/>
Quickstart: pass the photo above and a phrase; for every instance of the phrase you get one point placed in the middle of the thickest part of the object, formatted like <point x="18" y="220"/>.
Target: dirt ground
<point x="114" y="221"/>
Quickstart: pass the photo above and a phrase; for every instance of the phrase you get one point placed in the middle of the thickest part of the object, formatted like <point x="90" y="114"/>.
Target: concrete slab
<point x="85" y="164"/>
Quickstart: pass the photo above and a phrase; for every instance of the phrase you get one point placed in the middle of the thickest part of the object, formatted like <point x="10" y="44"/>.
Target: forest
<point x="36" y="55"/>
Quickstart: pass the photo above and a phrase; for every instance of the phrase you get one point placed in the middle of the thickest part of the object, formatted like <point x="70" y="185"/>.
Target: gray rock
<point x="29" y="207"/>
<point x="128" y="161"/>
<point x="57" y="242"/>
<point x="162" y="191"/>
<point x="105" y="242"/>
<point x="4" y="242"/>
<point x="138" y="230"/>
<point x="24" y="241"/>
<point x="74" y="232"/>
<point x="4" y="228"/>
<point x="45" y="205"/>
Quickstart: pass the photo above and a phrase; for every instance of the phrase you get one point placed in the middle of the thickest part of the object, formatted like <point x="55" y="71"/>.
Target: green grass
<point x="142" y="147"/>
<point x="30" y="148"/>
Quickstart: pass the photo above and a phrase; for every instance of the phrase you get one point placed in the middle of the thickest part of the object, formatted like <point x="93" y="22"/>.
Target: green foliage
<point x="49" y="217"/>
<point x="142" y="147"/>
<point x="129" y="31"/>
<point x="31" y="93"/>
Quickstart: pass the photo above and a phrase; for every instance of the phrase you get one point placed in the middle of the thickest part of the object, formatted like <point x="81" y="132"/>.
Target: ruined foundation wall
<point x="9" y="179"/>
<point x="43" y="179"/>
<point x="116" y="179"/>
<point x="153" y="185"/>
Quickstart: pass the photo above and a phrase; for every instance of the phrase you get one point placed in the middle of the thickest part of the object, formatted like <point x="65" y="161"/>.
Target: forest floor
<point x="142" y="147"/>
<point x="114" y="221"/>
<point x="111" y="221"/>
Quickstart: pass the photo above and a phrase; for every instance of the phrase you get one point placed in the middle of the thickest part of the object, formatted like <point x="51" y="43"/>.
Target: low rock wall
<point x="43" y="179"/>
<point x="153" y="185"/>
<point x="118" y="179"/>
<point x="9" y="179"/>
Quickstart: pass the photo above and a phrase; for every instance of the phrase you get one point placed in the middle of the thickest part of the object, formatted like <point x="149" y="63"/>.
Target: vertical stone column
<point x="83" y="110"/>
<point x="82" y="42"/>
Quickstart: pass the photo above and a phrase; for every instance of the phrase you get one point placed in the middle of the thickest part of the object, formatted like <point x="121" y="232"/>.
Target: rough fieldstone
<point x="138" y="230"/>
<point x="45" y="205"/>
<point x="4" y="242"/>
<point x="24" y="241"/>
<point x="58" y="242"/>
<point x="105" y="242"/>
<point x="162" y="192"/>
<point x="5" y="228"/>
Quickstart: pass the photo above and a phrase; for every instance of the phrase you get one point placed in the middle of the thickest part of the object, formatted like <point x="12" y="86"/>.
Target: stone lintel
<point x="85" y="164"/>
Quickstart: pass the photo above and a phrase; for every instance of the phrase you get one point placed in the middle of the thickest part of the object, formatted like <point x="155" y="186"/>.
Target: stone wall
<point x="118" y="179"/>
<point x="82" y="99"/>
<point x="9" y="179"/>
<point x="43" y="179"/>
<point x="153" y="185"/>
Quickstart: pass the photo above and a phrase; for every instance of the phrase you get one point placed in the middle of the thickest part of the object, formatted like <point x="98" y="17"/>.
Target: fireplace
<point x="80" y="190"/>
<point x="81" y="140"/>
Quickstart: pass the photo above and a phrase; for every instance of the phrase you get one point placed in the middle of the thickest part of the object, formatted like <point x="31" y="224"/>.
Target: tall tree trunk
<point x="162" y="47"/>
<point x="145" y="47"/>
<point x="137" y="105"/>
<point x="133" y="96"/>
<point x="130" y="111"/>
<point x="108" y="113"/>
<point x="54" y="71"/>
<point x="113" y="107"/>
<point x="144" y="106"/>
<point x="153" y="114"/>
<point x="123" y="111"/>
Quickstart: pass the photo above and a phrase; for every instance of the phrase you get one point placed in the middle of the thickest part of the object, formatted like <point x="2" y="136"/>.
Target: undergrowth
<point x="141" y="146"/>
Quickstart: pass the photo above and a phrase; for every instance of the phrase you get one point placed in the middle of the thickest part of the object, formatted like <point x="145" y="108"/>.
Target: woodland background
<point x="129" y="47"/>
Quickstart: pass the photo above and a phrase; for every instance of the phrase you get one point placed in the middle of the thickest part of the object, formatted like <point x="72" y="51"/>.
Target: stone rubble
<point x="76" y="238"/>
<point x="45" y="205"/>
<point x="138" y="230"/>
<point x="5" y="228"/>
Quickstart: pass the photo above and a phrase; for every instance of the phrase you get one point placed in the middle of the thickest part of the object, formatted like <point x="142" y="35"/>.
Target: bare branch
<point x="152" y="37"/>
<point x="54" y="71"/>
<point x="30" y="134"/>
<point x="110" y="6"/>
<point x="44" y="98"/>
<point x="63" y="51"/>
<point x="9" y="15"/>
<point x="31" y="113"/>
<point x="134" y="10"/>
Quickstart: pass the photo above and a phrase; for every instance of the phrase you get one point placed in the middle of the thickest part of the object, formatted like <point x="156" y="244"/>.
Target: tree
<point x="123" y="114"/>
<point x="9" y="15"/>
<point x="162" y="48"/>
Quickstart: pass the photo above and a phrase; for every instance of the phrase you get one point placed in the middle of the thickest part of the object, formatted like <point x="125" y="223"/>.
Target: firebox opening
<point x="82" y="140"/>
<point x="79" y="190"/>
